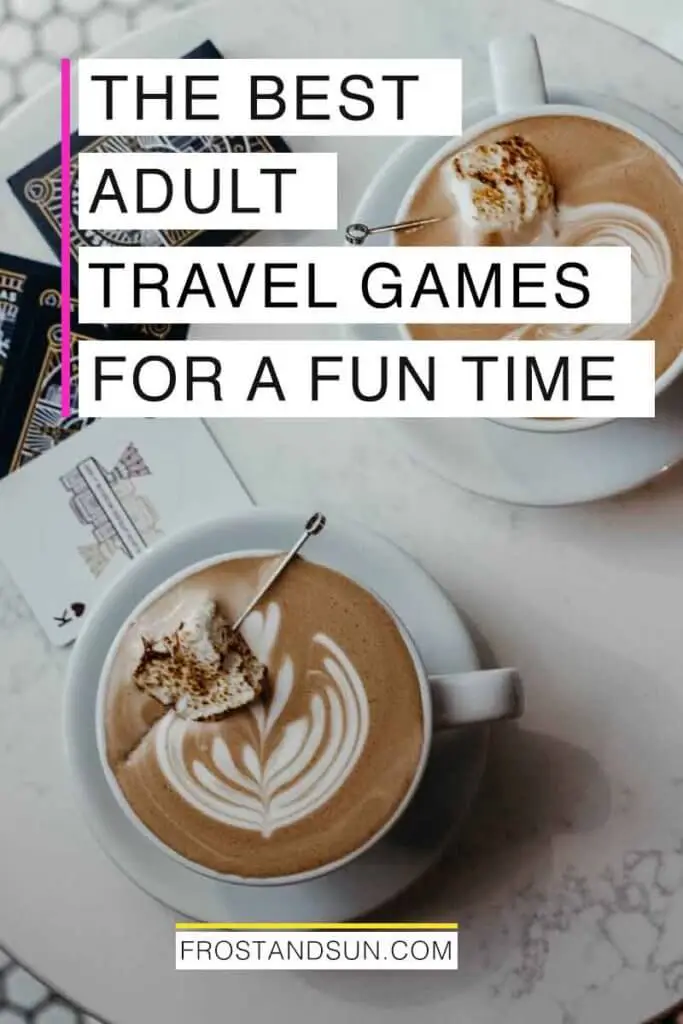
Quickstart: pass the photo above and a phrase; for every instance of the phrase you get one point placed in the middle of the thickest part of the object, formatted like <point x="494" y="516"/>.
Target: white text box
<point x="207" y="191"/>
<point x="363" y="949"/>
<point x="331" y="285"/>
<point x="369" y="379"/>
<point x="308" y="96"/>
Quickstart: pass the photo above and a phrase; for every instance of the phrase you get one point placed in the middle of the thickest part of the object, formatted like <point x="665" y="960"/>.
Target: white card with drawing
<point x="75" y="518"/>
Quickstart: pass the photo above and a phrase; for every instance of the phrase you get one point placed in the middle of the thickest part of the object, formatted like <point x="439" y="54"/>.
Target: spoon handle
<point x="314" y="526"/>
<point x="356" y="234"/>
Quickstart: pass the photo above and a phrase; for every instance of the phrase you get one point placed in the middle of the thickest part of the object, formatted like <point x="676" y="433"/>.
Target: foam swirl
<point x="293" y="766"/>
<point x="610" y="224"/>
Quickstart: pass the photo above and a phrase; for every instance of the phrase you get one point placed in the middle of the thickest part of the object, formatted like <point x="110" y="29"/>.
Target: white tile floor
<point x="34" y="34"/>
<point x="25" y="1000"/>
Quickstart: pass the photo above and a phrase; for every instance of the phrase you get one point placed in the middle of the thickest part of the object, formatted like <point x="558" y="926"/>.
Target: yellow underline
<point x="284" y="927"/>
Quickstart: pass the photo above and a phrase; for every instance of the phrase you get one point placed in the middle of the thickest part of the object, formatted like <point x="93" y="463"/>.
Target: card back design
<point x="30" y="359"/>
<point x="21" y="282"/>
<point x="38" y="185"/>
<point x="33" y="422"/>
<point x="12" y="291"/>
<point x="39" y="188"/>
<point x="51" y="298"/>
<point x="44" y="425"/>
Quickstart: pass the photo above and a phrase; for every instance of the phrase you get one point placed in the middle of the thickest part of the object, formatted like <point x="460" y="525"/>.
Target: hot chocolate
<point x="610" y="188"/>
<point x="307" y="773"/>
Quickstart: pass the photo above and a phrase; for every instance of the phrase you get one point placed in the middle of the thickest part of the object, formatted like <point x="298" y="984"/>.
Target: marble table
<point x="568" y="879"/>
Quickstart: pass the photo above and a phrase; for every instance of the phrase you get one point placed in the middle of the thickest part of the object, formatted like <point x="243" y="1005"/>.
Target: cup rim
<point x="269" y="880"/>
<point x="675" y="368"/>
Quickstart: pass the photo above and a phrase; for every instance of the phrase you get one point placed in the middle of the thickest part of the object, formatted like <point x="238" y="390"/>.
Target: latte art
<point x="310" y="771"/>
<point x="285" y="772"/>
<point x="651" y="265"/>
<point x="611" y="188"/>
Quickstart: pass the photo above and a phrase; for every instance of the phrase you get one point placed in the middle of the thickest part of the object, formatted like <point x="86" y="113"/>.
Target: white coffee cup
<point x="520" y="92"/>
<point x="448" y="701"/>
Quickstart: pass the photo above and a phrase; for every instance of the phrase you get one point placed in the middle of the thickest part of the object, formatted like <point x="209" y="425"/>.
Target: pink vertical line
<point x="65" y="248"/>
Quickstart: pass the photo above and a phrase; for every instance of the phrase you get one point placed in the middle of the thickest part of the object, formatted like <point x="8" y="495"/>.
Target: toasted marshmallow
<point x="499" y="186"/>
<point x="197" y="630"/>
<point x="203" y="668"/>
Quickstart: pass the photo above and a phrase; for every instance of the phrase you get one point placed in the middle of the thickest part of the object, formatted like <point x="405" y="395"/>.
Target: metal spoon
<point x="314" y="526"/>
<point x="356" y="234"/>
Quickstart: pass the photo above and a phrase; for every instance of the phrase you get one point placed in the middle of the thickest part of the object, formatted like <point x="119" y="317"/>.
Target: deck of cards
<point x="30" y="305"/>
<point x="74" y="515"/>
<point x="31" y="420"/>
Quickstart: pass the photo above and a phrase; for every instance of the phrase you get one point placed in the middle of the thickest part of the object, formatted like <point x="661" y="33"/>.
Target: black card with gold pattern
<point x="31" y="420"/>
<point x="22" y="282"/>
<point x="30" y="361"/>
<point x="37" y="186"/>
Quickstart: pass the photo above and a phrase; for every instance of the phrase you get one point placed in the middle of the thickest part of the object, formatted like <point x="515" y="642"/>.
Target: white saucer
<point x="516" y="465"/>
<point x="451" y="780"/>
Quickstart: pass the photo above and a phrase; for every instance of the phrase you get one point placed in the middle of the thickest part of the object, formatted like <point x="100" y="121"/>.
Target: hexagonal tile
<point x="56" y="1013"/>
<point x="60" y="36"/>
<point x="23" y="990"/>
<point x="105" y="26"/>
<point x="16" y="42"/>
<point x="11" y="1017"/>
<point x="35" y="75"/>
<point x="150" y="14"/>
<point x="31" y="10"/>
<point x="80" y="6"/>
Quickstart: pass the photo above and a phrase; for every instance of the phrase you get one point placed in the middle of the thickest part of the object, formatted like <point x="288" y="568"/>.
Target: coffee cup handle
<point x="517" y="73"/>
<point x="467" y="698"/>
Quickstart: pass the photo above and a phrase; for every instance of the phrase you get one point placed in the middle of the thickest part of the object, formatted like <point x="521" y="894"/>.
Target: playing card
<point x="29" y="311"/>
<point x="32" y="421"/>
<point x="50" y="297"/>
<point x="30" y="373"/>
<point x="73" y="520"/>
<point x="37" y="186"/>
